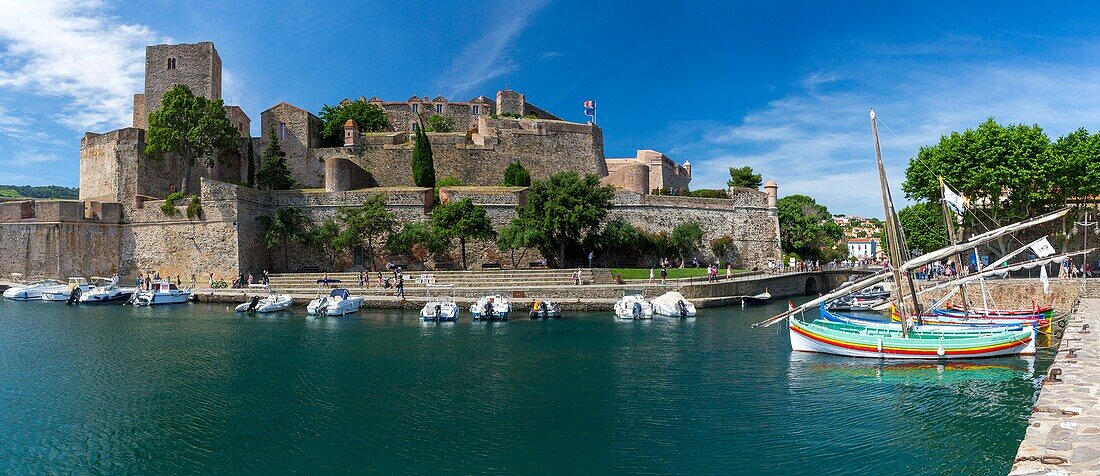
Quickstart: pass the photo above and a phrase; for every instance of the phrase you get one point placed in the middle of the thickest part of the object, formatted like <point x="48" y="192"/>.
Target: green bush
<point x="709" y="193"/>
<point x="437" y="123"/>
<point x="516" y="176"/>
<point x="169" y="205"/>
<point x="194" y="209"/>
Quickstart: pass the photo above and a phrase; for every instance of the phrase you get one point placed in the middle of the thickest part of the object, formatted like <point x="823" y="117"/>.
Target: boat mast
<point x="951" y="235"/>
<point x="891" y="228"/>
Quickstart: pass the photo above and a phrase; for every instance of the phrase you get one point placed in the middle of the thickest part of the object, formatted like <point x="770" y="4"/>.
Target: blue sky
<point x="783" y="87"/>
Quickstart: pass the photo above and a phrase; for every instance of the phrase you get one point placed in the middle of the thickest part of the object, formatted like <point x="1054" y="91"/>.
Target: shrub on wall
<point x="709" y="193"/>
<point x="194" y="209"/>
<point x="437" y="123"/>
<point x="516" y="176"/>
<point x="169" y="205"/>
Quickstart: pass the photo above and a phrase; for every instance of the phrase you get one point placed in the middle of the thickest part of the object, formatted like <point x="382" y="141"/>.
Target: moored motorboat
<point x="673" y="304"/>
<point x="66" y="292"/>
<point x="545" y="309"/>
<point x="30" y="291"/>
<point x="338" y="302"/>
<point x="633" y="306"/>
<point x="492" y="307"/>
<point x="761" y="298"/>
<point x="441" y="309"/>
<point x="271" y="303"/>
<point x="105" y="291"/>
<point x="162" y="292"/>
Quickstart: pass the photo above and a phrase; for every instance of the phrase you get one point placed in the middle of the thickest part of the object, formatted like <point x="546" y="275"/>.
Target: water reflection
<point x="811" y="366"/>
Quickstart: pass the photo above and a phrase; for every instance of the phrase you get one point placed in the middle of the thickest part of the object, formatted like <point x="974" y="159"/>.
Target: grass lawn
<point x="673" y="273"/>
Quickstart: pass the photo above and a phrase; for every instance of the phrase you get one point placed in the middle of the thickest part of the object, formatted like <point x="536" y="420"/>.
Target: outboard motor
<point x="438" y="310"/>
<point x="74" y="296"/>
<point x="545" y="311"/>
<point x="253" y="303"/>
<point x="637" y="310"/>
<point x="683" y="309"/>
<point x="489" y="309"/>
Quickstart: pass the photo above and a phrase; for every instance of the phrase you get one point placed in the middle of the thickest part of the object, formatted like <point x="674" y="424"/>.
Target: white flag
<point x="958" y="202"/>
<point x="1044" y="279"/>
<point x="1042" y="247"/>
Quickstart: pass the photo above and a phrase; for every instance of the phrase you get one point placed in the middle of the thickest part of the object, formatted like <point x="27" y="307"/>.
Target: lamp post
<point x="1086" y="223"/>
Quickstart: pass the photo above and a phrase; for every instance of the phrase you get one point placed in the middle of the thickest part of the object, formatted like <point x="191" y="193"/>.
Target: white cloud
<point x="816" y="140"/>
<point x="485" y="58"/>
<point x="78" y="52"/>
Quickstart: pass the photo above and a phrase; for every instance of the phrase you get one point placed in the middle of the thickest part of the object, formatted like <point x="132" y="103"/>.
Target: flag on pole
<point x="894" y="314"/>
<point x="1042" y="248"/>
<point x="957" y="201"/>
<point x="590" y="104"/>
<point x="1044" y="279"/>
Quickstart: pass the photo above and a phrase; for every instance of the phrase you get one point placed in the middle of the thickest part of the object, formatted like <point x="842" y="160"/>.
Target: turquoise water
<point x="196" y="389"/>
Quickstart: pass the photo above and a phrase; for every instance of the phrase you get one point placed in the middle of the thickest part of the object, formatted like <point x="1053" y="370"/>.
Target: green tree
<point x="286" y="224"/>
<point x="565" y="207"/>
<point x="620" y="238"/>
<point x="807" y="228"/>
<point x="463" y="220"/>
<point x="327" y="239"/>
<point x="189" y="127"/>
<point x="364" y="225"/>
<point x="423" y="166"/>
<point x="743" y="177"/>
<point x="516" y="176"/>
<point x="274" y="173"/>
<point x="686" y="238"/>
<point x="418" y="240"/>
<point x="251" y="164"/>
<point x="437" y="123"/>
<point x="515" y="239"/>
<point x="723" y="248"/>
<point x="924" y="226"/>
<point x="369" y="118"/>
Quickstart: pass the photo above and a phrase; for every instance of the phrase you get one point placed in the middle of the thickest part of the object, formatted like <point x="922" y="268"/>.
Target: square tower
<point x="195" y="65"/>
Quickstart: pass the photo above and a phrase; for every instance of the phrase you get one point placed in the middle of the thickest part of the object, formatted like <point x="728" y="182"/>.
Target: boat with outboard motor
<point x="30" y="291"/>
<point x="67" y="293"/>
<point x="442" y="308"/>
<point x="491" y="308"/>
<point x="105" y="291"/>
<point x="271" y="303"/>
<point x="756" y="299"/>
<point x="673" y="304"/>
<point x="633" y="306"/>
<point x="545" y="309"/>
<point x="162" y="292"/>
<point x="338" y="302"/>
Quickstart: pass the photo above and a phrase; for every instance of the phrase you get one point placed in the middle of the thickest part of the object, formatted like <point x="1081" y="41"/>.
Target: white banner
<point x="1042" y="247"/>
<point x="958" y="202"/>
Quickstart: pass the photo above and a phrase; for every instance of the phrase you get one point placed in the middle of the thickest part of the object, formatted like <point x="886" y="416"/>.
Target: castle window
<point x="439" y="109"/>
<point x="415" y="108"/>
<point x="416" y="127"/>
<point x="171" y="63"/>
<point x="475" y="109"/>
<point x="282" y="130"/>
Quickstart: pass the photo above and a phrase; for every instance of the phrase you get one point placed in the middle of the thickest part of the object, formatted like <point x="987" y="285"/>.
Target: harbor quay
<point x="1063" y="433"/>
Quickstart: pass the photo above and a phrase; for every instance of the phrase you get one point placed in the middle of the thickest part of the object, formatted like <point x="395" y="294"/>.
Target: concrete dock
<point x="1063" y="434"/>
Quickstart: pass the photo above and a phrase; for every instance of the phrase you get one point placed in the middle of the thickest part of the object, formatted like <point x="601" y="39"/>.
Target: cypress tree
<point x="251" y="164"/>
<point x="423" y="167"/>
<point x="273" y="173"/>
<point x="517" y="176"/>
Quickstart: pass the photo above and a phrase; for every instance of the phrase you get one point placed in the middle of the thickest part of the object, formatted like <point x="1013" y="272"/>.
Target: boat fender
<point x="880" y="345"/>
<point x="940" y="352"/>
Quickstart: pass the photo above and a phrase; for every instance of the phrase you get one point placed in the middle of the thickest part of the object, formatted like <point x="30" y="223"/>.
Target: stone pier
<point x="1063" y="435"/>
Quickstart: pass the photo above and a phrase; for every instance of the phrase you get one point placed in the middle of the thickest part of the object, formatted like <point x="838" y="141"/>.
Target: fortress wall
<point x="60" y="249"/>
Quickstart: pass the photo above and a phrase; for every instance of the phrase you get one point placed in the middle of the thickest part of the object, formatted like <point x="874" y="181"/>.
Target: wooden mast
<point x="891" y="230"/>
<point x="951" y="235"/>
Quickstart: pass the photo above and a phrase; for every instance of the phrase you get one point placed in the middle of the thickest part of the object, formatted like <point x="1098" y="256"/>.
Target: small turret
<point x="772" y="189"/>
<point x="687" y="167"/>
<point x="351" y="133"/>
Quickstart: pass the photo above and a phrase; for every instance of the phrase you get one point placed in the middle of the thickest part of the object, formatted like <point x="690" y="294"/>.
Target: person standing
<point x="664" y="275"/>
<point x="400" y="286"/>
<point x="193" y="280"/>
<point x="267" y="278"/>
<point x="591" y="254"/>
<point x="729" y="271"/>
<point x="650" y="275"/>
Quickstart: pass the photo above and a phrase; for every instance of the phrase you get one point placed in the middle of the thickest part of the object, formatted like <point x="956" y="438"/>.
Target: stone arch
<point x="812" y="285"/>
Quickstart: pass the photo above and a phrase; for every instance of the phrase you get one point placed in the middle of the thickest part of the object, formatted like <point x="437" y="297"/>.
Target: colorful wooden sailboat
<point x="839" y="338"/>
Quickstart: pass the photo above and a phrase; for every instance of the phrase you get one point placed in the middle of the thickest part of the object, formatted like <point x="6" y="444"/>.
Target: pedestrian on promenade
<point x="249" y="279"/>
<point x="729" y="271"/>
<point x="211" y="280"/>
<point x="400" y="286"/>
<point x="179" y="281"/>
<point x="379" y="279"/>
<point x="664" y="275"/>
<point x="114" y="279"/>
<point x="650" y="275"/>
<point x="591" y="254"/>
<point x="137" y="281"/>
<point x="192" y="280"/>
<point x="362" y="280"/>
<point x="267" y="278"/>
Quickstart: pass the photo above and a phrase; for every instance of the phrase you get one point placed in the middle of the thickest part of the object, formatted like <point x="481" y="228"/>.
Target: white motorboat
<point x="105" y="291"/>
<point x="339" y="302"/>
<point x="30" y="291"/>
<point x="761" y="298"/>
<point x="67" y="293"/>
<point x="673" y="304"/>
<point x="545" y="309"/>
<point x="162" y="292"/>
<point x="273" y="302"/>
<point x="633" y="306"/>
<point x="492" y="307"/>
<point x="443" y="309"/>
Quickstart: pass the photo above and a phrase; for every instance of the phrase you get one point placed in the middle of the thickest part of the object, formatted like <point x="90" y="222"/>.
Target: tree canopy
<point x="365" y="224"/>
<point x="369" y="118"/>
<point x="564" y="208"/>
<point x="807" y="228"/>
<point x="418" y="240"/>
<point x="327" y="239"/>
<point x="516" y="176"/>
<point x="285" y="224"/>
<point x="189" y="127"/>
<point x="515" y="239"/>
<point x="437" y="123"/>
<point x="274" y="173"/>
<point x="423" y="166"/>
<point x="686" y="238"/>
<point x="743" y="177"/>
<point x="924" y="227"/>
<point x="463" y="220"/>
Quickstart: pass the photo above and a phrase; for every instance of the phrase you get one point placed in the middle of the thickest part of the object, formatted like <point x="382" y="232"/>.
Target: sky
<point x="784" y="87"/>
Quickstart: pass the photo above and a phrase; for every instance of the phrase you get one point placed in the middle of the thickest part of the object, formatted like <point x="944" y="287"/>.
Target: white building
<point x="863" y="248"/>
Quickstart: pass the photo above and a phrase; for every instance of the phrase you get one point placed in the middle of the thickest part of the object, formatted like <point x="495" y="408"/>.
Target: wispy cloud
<point x="77" y="51"/>
<point x="486" y="58"/>
<point x="816" y="139"/>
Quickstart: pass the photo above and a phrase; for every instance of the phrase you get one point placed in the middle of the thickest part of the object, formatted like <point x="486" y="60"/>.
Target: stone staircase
<point x="306" y="283"/>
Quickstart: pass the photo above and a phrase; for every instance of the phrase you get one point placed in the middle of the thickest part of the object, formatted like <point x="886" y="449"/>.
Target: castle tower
<point x="511" y="102"/>
<point x="772" y="189"/>
<point x="351" y="133"/>
<point x="195" y="65"/>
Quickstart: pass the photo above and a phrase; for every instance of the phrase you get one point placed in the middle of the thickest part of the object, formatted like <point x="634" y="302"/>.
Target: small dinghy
<point x="273" y="302"/>
<point x="633" y="306"/>
<point x="673" y="304"/>
<point x="543" y="309"/>
<point x="757" y="299"/>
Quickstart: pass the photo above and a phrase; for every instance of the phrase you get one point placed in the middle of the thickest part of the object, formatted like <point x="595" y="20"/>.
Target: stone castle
<point x="117" y="224"/>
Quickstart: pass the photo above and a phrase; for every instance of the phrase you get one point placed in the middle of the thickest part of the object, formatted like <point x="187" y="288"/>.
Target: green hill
<point x="46" y="191"/>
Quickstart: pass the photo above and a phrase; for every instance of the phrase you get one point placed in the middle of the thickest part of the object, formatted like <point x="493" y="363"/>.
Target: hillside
<point x="46" y="191"/>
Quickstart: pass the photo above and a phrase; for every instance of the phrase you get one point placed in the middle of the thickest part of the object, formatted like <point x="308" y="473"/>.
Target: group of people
<point x="243" y="281"/>
<point x="1069" y="270"/>
<point x="146" y="281"/>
